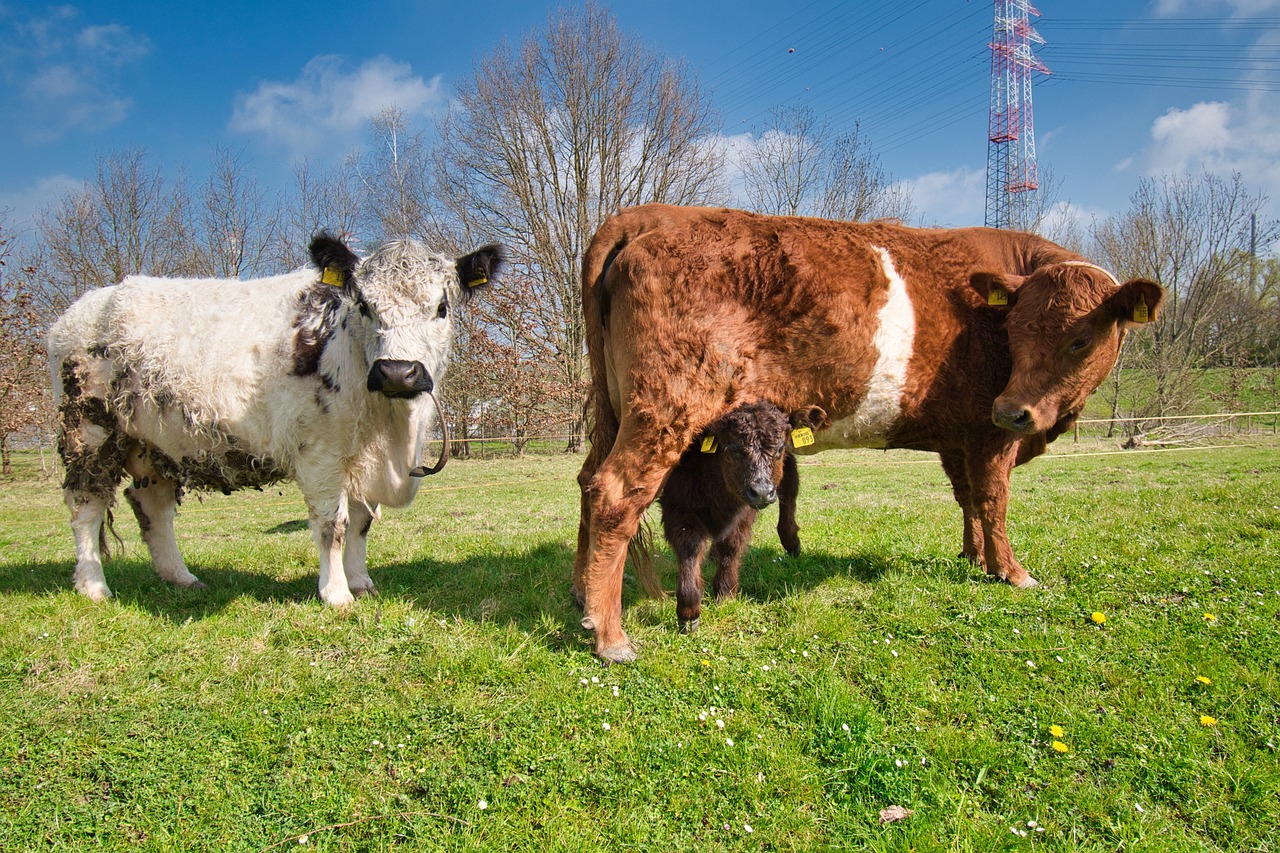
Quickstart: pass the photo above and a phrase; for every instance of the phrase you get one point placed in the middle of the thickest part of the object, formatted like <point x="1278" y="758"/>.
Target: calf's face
<point x="750" y="443"/>
<point x="406" y="298"/>
<point x="1065" y="323"/>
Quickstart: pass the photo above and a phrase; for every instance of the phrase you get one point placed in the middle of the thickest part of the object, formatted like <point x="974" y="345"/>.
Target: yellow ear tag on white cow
<point x="801" y="437"/>
<point x="709" y="444"/>
<point x="333" y="276"/>
<point x="1140" y="312"/>
<point x="996" y="296"/>
<point x="477" y="282"/>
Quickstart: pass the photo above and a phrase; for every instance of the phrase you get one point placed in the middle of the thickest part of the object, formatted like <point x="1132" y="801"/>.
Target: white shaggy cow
<point x="320" y="376"/>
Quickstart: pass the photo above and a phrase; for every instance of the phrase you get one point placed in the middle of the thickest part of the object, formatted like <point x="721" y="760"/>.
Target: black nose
<point x="1013" y="418"/>
<point x="760" y="495"/>
<point x="395" y="378"/>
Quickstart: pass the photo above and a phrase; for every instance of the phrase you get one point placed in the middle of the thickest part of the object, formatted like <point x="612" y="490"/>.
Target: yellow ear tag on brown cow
<point x="1140" y="312"/>
<point x="709" y="444"/>
<point x="996" y="296"/>
<point x="801" y="437"/>
<point x="333" y="276"/>
<point x="477" y="282"/>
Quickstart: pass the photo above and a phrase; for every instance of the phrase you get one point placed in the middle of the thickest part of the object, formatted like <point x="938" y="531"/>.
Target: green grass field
<point x="462" y="709"/>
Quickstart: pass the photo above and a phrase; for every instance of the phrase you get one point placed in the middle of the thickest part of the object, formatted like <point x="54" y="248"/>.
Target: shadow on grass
<point x="528" y="589"/>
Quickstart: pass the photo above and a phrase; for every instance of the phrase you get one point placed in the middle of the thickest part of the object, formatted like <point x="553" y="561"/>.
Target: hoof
<point x="623" y="653"/>
<point x="793" y="552"/>
<point x="1027" y="583"/>
<point x="338" y="599"/>
<point x="361" y="592"/>
<point x="688" y="626"/>
<point x="97" y="592"/>
<point x="196" y="584"/>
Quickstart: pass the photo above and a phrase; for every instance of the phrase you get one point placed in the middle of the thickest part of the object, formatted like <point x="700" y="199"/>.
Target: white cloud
<point x="20" y="207"/>
<point x="327" y="105"/>
<point x="1204" y="8"/>
<point x="954" y="198"/>
<point x="62" y="75"/>
<point x="1221" y="137"/>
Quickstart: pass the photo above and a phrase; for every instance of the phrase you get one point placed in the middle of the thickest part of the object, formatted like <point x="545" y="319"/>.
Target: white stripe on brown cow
<point x="894" y="340"/>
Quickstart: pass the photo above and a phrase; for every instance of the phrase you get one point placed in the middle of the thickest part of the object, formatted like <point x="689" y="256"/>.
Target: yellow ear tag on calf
<point x="333" y="276"/>
<point x="477" y="282"/>
<point x="801" y="437"/>
<point x="1140" y="312"/>
<point x="996" y="296"/>
<point x="709" y="444"/>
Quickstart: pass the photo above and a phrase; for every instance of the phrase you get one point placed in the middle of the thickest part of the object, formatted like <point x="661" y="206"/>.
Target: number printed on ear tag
<point x="801" y="437"/>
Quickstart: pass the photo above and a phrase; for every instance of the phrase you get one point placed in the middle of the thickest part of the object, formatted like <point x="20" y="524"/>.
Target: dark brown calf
<point x="740" y="466"/>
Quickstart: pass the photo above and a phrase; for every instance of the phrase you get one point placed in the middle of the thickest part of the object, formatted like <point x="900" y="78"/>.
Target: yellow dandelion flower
<point x="1056" y="731"/>
<point x="1207" y="721"/>
<point x="1204" y="679"/>
<point x="1098" y="618"/>
<point x="1209" y="617"/>
<point x="706" y="662"/>
<point x="1059" y="746"/>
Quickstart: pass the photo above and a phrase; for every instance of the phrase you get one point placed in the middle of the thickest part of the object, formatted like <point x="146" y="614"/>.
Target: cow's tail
<point x="104" y="544"/>
<point x="608" y="242"/>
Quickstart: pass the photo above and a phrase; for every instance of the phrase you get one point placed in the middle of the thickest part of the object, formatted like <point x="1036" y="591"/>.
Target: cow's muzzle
<point x="1014" y="417"/>
<point x="760" y="495"/>
<point x="399" y="379"/>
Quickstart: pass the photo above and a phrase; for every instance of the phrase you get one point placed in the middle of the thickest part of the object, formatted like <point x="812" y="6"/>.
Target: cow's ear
<point x="481" y="267"/>
<point x="337" y="263"/>
<point x="1136" y="301"/>
<point x="814" y="417"/>
<point x="997" y="288"/>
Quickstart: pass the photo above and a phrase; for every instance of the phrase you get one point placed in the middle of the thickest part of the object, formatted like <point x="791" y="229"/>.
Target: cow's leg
<point x="788" y="492"/>
<point x="954" y="465"/>
<point x="154" y="502"/>
<point x="619" y="493"/>
<point x="88" y="515"/>
<point x="354" y="555"/>
<point x="988" y="466"/>
<point x="580" y="557"/>
<point x="728" y="552"/>
<point x="328" y="520"/>
<point x="690" y="546"/>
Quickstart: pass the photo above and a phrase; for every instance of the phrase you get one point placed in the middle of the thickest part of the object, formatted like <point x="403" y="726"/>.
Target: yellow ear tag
<point x="709" y="444"/>
<point x="477" y="282"/>
<point x="333" y="276"/>
<point x="801" y="437"/>
<point x="996" y="296"/>
<point x="1140" y="312"/>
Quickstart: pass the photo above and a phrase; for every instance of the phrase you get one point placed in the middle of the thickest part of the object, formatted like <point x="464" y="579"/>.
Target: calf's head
<point x="405" y="298"/>
<point x="750" y="443"/>
<point x="1066" y="323"/>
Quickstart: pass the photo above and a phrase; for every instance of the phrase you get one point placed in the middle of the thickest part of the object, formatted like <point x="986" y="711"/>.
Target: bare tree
<point x="126" y="220"/>
<point x="551" y="136"/>
<point x="392" y="177"/>
<point x="24" y="396"/>
<point x="237" y="226"/>
<point x="1192" y="234"/>
<point x="799" y="166"/>
<point x="320" y="199"/>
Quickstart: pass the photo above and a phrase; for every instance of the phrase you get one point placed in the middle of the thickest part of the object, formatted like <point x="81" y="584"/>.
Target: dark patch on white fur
<point x="314" y="324"/>
<point x="93" y="470"/>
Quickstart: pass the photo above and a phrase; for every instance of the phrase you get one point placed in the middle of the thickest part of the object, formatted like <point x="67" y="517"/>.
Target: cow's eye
<point x="443" y="310"/>
<point x="1079" y="344"/>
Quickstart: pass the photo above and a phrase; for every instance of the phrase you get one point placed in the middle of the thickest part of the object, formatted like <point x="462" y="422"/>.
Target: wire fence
<point x="1176" y="429"/>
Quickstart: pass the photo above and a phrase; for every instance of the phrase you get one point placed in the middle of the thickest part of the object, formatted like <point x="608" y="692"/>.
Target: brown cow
<point x="904" y="336"/>
<point x="740" y="465"/>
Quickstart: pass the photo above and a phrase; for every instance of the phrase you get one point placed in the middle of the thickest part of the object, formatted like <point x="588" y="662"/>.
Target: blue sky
<point x="1139" y="87"/>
